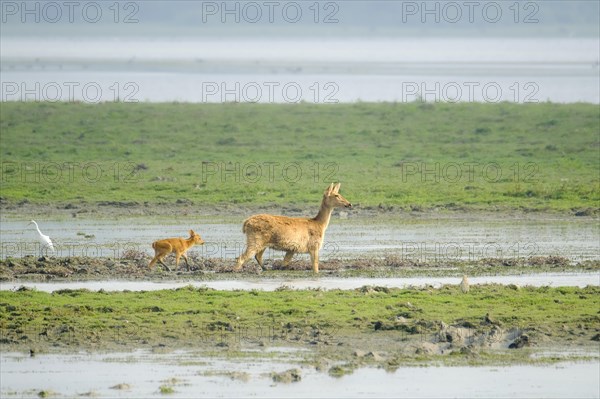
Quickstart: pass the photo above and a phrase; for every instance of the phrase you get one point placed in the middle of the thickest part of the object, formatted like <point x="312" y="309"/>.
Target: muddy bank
<point x="133" y="265"/>
<point x="273" y="283"/>
<point x="334" y="331"/>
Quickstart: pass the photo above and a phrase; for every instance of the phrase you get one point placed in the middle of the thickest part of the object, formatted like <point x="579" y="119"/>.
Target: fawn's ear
<point x="336" y="188"/>
<point x="192" y="233"/>
<point x="329" y="189"/>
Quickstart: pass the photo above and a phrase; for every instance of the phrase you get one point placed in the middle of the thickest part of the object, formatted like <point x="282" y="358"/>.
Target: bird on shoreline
<point x="45" y="241"/>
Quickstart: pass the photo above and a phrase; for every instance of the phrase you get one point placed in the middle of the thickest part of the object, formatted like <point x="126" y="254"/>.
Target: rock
<point x="339" y="371"/>
<point x="427" y="348"/>
<point x="323" y="364"/>
<point x="123" y="387"/>
<point x="455" y="335"/>
<point x="468" y="350"/>
<point x="520" y="342"/>
<point x="239" y="375"/>
<point x="287" y="377"/>
<point x="488" y="320"/>
<point x="359" y="353"/>
<point x="375" y="356"/>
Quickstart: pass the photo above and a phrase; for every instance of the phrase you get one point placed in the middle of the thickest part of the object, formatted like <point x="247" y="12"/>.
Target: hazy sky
<point x="565" y="18"/>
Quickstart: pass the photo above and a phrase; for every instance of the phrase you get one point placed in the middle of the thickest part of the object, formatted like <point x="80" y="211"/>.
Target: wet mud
<point x="133" y="265"/>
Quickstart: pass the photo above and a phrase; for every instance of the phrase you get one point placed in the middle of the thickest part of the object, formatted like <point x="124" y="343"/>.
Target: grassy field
<point x="413" y="156"/>
<point x="369" y="318"/>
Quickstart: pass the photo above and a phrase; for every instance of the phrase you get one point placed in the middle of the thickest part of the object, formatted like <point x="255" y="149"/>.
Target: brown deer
<point x="292" y="235"/>
<point x="179" y="246"/>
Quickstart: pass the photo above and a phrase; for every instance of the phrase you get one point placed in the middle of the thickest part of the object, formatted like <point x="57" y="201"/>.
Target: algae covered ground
<point x="411" y="155"/>
<point x="370" y="325"/>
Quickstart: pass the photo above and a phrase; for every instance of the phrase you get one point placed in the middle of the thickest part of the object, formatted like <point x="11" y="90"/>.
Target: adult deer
<point x="292" y="235"/>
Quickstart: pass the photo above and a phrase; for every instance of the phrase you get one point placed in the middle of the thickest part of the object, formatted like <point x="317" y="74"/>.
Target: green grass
<point x="189" y="317"/>
<point x="166" y="389"/>
<point x="477" y="156"/>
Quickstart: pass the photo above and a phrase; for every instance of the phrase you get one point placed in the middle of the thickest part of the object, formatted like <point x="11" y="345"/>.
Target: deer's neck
<point x="323" y="216"/>
<point x="189" y="242"/>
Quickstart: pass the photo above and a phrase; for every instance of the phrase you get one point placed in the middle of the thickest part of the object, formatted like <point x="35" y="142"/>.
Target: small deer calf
<point x="179" y="246"/>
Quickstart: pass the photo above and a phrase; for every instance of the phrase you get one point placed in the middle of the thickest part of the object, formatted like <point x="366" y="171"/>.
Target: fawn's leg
<point x="160" y="260"/>
<point x="187" y="265"/>
<point x="166" y="251"/>
<point x="153" y="261"/>
<point x="156" y="257"/>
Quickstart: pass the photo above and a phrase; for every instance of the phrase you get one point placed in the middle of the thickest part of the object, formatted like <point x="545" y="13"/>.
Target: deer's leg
<point x="187" y="265"/>
<point x="156" y="258"/>
<point x="259" y="256"/>
<point x="153" y="261"/>
<point x="314" y="257"/>
<point x="160" y="260"/>
<point x="177" y="257"/>
<point x="248" y="253"/>
<point x="288" y="258"/>
<point x="161" y="252"/>
<point x="253" y="246"/>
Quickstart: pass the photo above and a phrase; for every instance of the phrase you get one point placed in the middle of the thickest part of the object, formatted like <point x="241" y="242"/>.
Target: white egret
<point x="45" y="242"/>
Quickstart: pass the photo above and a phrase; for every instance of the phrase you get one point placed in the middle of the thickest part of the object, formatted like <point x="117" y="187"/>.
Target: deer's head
<point x="334" y="199"/>
<point x="196" y="238"/>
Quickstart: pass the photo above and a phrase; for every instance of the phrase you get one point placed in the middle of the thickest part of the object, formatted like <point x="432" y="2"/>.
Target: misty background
<point x="317" y="18"/>
<point x="312" y="51"/>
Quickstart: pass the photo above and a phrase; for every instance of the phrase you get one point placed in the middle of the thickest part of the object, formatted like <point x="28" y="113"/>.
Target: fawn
<point x="179" y="246"/>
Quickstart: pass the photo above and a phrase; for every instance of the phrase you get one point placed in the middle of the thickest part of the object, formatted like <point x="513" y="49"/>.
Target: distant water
<point x="315" y="71"/>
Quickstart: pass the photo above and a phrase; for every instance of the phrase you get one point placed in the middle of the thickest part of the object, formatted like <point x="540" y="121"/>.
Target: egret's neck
<point x="37" y="227"/>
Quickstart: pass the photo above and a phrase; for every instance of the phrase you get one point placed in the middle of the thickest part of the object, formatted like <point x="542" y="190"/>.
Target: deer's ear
<point x="329" y="189"/>
<point x="336" y="188"/>
<point x="192" y="233"/>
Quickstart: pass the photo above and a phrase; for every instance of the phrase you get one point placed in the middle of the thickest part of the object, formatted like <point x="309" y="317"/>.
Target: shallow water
<point x="536" y="280"/>
<point x="198" y="376"/>
<point x="161" y="69"/>
<point x="428" y="239"/>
